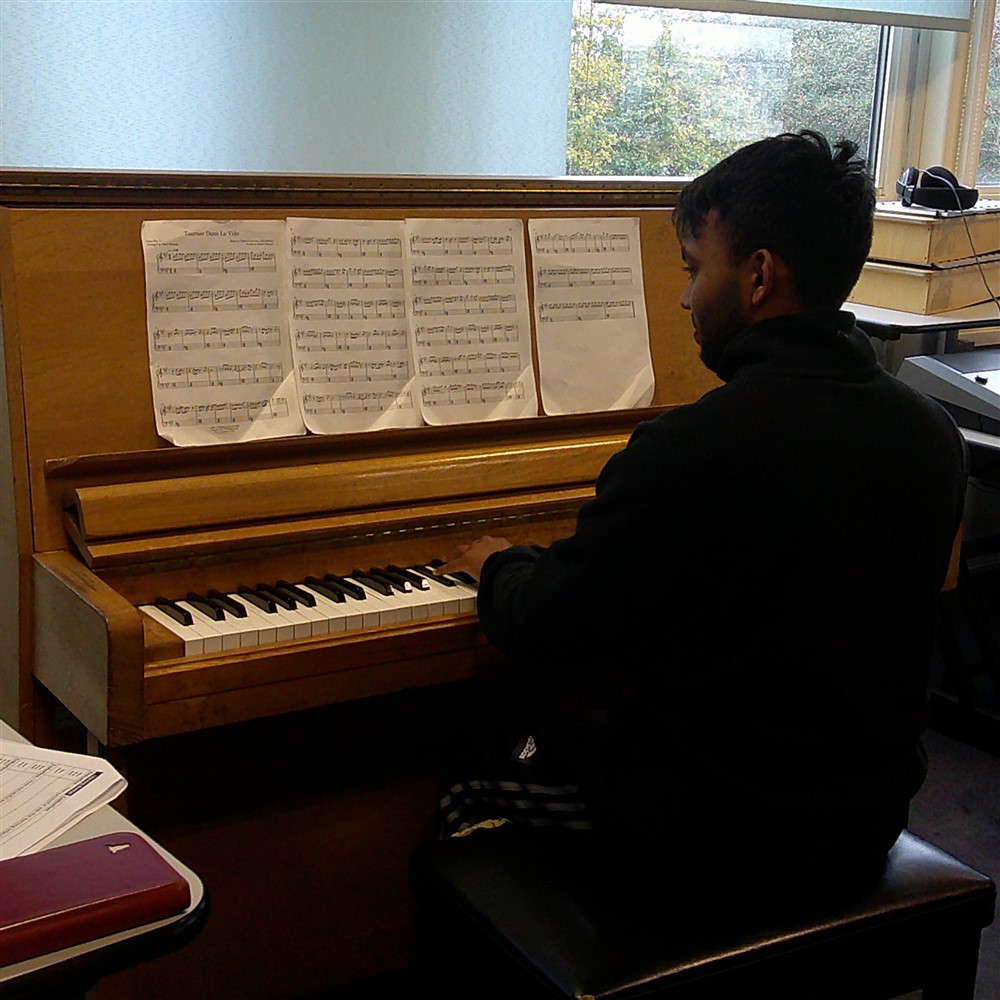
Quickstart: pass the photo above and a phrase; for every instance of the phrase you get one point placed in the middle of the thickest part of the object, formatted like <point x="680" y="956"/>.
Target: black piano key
<point x="415" y="578"/>
<point x="377" y="585"/>
<point x="206" y="607"/>
<point x="458" y="574"/>
<point x="327" y="590"/>
<point x="230" y="606"/>
<point x="429" y="570"/>
<point x="394" y="580"/>
<point x="349" y="587"/>
<point x="264" y="603"/>
<point x="281" y="600"/>
<point x="177" y="613"/>
<point x="296" y="593"/>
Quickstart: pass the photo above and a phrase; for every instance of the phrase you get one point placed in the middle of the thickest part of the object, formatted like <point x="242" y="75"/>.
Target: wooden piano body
<point x="101" y="515"/>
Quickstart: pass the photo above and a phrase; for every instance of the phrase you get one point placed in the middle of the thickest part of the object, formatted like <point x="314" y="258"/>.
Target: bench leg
<point x="953" y="976"/>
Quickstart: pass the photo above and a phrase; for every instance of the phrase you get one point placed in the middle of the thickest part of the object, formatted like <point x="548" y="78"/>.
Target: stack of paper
<point x="44" y="792"/>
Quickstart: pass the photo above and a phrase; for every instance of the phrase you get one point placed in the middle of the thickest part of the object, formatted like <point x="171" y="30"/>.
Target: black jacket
<point x="755" y="586"/>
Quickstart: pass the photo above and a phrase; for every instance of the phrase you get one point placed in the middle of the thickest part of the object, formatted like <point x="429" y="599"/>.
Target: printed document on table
<point x="44" y="792"/>
<point x="471" y="327"/>
<point x="219" y="357"/>
<point x="590" y="315"/>
<point x="348" y="324"/>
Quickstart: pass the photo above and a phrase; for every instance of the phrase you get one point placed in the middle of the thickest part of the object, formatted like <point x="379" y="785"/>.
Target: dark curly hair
<point x="791" y="194"/>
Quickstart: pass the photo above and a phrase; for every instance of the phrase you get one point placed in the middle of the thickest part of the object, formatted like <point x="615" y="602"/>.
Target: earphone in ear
<point x="935" y="187"/>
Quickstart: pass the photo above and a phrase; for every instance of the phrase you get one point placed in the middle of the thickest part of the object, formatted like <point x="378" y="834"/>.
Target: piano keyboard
<point x="255" y="616"/>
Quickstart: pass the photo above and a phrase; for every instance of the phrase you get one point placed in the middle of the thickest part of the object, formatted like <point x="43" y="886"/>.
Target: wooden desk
<point x="72" y="971"/>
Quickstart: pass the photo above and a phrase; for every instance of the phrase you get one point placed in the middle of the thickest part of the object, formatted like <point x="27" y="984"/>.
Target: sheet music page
<point x="470" y="323"/>
<point x="349" y="331"/>
<point x="219" y="357"/>
<point x="43" y="792"/>
<point x="590" y="315"/>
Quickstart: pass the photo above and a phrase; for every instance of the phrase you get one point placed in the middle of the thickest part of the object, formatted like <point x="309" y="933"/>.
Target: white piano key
<point x="283" y="629"/>
<point x="343" y="616"/>
<point x="388" y="613"/>
<point x="465" y="594"/>
<point x="229" y="633"/>
<point x="194" y="642"/>
<point x="211" y="638"/>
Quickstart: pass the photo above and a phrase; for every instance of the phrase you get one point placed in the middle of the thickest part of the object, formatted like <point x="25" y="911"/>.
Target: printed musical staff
<point x="583" y="277"/>
<point x="464" y="304"/>
<point x="471" y="393"/>
<point x="389" y="339"/>
<point x="347" y="277"/>
<point x="501" y="274"/>
<point x="355" y="371"/>
<point x="215" y="262"/>
<point x="352" y="308"/>
<point x="563" y="312"/>
<point x="581" y="242"/>
<point x="263" y="372"/>
<point x="215" y="338"/>
<point x="214" y="299"/>
<point x="174" y="415"/>
<point x="481" y="363"/>
<point x="341" y="403"/>
<point x="431" y="245"/>
<point x="465" y="334"/>
<point x="341" y="246"/>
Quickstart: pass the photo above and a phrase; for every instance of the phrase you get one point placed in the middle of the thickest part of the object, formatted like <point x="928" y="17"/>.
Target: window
<point x="670" y="92"/>
<point x="988" y="171"/>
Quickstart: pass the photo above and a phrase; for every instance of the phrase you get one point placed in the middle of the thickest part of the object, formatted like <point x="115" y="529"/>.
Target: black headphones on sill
<point x="935" y="187"/>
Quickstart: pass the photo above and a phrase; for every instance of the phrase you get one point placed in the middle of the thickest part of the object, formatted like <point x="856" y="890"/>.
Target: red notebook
<point x="67" y="895"/>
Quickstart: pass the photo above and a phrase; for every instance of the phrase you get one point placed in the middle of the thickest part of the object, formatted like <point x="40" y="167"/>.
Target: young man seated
<point x="750" y="597"/>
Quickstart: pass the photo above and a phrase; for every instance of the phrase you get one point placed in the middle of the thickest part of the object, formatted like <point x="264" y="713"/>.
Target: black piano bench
<point x="504" y="913"/>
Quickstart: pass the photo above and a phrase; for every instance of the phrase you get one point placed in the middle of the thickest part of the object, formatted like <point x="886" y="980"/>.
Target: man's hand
<point x="470" y="558"/>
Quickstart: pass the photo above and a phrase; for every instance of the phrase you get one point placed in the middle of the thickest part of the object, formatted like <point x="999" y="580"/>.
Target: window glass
<point x="989" y="149"/>
<point x="670" y="92"/>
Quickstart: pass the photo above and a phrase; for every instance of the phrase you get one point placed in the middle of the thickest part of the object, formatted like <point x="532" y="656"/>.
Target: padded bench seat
<point x="508" y="913"/>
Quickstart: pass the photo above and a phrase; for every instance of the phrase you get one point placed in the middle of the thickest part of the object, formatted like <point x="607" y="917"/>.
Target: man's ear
<point x="762" y="276"/>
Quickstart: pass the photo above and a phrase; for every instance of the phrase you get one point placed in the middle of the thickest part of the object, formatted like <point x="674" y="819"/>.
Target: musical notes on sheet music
<point x="590" y="315"/>
<point x="358" y="324"/>
<point x="347" y="277"/>
<point x="215" y="262"/>
<point x="466" y="334"/>
<point x="333" y="404"/>
<point x="457" y="243"/>
<point x="358" y="337"/>
<point x="224" y="414"/>
<point x="381" y="247"/>
<point x="263" y="372"/>
<point x="563" y="312"/>
<point x="489" y="285"/>
<point x="214" y="299"/>
<point x="472" y="393"/>
<point x="215" y="292"/>
<point x="217" y="338"/>
<point x="562" y="239"/>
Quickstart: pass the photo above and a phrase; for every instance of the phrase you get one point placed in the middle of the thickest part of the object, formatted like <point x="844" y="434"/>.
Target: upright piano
<point x="102" y="516"/>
